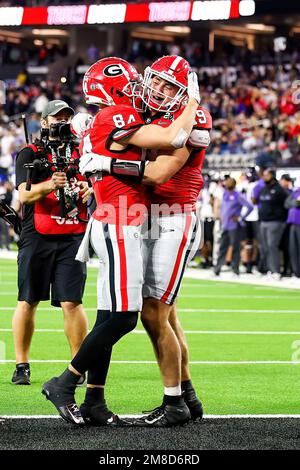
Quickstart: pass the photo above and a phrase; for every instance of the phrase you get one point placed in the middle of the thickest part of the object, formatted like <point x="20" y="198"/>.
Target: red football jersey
<point x="115" y="197"/>
<point x="184" y="187"/>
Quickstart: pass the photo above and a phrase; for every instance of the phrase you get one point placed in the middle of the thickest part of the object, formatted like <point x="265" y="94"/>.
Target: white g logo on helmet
<point x="113" y="70"/>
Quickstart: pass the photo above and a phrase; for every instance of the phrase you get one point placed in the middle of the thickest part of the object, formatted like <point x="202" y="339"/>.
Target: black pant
<point x="284" y="247"/>
<point x="233" y="238"/>
<point x="294" y="246"/>
<point x="48" y="263"/>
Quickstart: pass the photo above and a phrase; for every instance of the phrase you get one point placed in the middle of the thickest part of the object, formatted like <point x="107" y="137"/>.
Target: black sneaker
<point x="194" y="404"/>
<point x="21" y="375"/>
<point x="165" y="416"/>
<point x="100" y="415"/>
<point x="64" y="401"/>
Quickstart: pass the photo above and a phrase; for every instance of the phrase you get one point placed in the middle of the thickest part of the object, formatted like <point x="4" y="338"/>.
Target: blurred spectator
<point x="40" y="101"/>
<point x="272" y="216"/>
<point x="33" y="125"/>
<point x="292" y="203"/>
<point x="286" y="182"/>
<point x="6" y="189"/>
<point x="7" y="147"/>
<point x="92" y="54"/>
<point x="251" y="220"/>
<point x="231" y="222"/>
<point x="207" y="215"/>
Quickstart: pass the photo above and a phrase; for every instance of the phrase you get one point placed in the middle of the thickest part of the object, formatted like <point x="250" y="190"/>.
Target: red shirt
<point x="116" y="198"/>
<point x="184" y="187"/>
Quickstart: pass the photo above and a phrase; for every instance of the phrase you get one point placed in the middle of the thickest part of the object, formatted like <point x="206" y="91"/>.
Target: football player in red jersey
<point x="115" y="229"/>
<point x="176" y="186"/>
<point x="179" y="236"/>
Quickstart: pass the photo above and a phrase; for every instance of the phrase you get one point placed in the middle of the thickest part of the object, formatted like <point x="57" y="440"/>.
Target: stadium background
<point x="244" y="338"/>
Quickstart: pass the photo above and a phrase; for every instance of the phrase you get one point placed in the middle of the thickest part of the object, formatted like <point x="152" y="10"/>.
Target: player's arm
<point x="175" y="135"/>
<point x="165" y="166"/>
<point x="154" y="172"/>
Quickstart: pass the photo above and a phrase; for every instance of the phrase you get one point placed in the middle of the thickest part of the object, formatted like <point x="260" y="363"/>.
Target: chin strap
<point x="10" y="216"/>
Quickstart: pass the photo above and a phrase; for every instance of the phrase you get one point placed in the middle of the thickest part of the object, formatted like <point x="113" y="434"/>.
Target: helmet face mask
<point x="110" y="82"/>
<point x="137" y="91"/>
<point x="165" y="102"/>
<point x="171" y="69"/>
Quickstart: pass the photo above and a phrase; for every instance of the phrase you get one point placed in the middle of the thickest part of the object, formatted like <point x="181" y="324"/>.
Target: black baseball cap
<point x="55" y="106"/>
<point x="286" y="177"/>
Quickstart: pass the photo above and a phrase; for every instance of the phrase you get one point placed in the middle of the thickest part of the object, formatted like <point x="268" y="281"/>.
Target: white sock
<point x="173" y="391"/>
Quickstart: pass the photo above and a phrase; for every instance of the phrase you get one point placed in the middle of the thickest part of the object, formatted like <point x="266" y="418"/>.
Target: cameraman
<point x="49" y="240"/>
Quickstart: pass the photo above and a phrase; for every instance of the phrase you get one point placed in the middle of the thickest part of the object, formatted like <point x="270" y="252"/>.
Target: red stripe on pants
<point x="123" y="268"/>
<point x="178" y="259"/>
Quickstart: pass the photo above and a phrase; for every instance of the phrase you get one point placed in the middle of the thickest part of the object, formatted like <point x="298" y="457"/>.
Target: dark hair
<point x="272" y="171"/>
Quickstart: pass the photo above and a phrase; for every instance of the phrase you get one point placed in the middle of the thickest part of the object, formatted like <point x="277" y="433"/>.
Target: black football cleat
<point x="21" y="375"/>
<point x="64" y="401"/>
<point x="100" y="415"/>
<point x="165" y="416"/>
<point x="194" y="404"/>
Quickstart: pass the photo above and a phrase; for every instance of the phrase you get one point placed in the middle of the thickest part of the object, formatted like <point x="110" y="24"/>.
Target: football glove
<point x="80" y="123"/>
<point x="193" y="87"/>
<point x="93" y="163"/>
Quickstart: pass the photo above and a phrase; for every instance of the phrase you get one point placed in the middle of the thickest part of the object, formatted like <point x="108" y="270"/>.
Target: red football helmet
<point x="173" y="69"/>
<point x="110" y="81"/>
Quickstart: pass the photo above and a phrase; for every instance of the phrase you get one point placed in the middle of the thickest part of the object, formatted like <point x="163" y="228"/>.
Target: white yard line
<point x="199" y="274"/>
<point x="186" y="296"/>
<point x="196" y="332"/>
<point x="187" y="286"/>
<point x="183" y="310"/>
<point x="54" y="361"/>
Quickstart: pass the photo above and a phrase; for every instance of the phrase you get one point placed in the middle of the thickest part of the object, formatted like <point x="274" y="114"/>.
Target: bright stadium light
<point x="178" y="29"/>
<point x="49" y="32"/>
<point x="38" y="42"/>
<point x="260" y="27"/>
<point x="247" y="7"/>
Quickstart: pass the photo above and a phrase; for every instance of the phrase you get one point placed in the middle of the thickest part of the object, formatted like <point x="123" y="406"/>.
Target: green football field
<point x="244" y="341"/>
